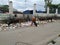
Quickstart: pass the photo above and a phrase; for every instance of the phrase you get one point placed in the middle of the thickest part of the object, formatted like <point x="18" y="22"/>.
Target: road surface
<point x="30" y="35"/>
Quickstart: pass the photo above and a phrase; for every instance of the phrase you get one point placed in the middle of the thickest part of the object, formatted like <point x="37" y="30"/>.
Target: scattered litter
<point x="5" y="27"/>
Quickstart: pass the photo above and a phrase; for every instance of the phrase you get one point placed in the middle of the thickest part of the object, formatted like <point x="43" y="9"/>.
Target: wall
<point x="4" y="16"/>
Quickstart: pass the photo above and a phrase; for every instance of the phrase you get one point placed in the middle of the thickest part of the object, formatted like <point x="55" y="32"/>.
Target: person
<point x="34" y="21"/>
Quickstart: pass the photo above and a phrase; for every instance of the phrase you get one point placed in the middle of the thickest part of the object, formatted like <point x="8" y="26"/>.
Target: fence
<point x="4" y="16"/>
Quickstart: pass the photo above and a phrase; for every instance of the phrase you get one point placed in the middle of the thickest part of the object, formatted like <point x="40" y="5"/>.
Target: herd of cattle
<point x="14" y="19"/>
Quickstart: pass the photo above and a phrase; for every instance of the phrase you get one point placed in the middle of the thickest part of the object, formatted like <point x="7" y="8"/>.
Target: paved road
<point x="30" y="35"/>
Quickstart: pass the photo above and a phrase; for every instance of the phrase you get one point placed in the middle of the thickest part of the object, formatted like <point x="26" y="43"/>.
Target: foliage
<point x="4" y="8"/>
<point x="47" y="3"/>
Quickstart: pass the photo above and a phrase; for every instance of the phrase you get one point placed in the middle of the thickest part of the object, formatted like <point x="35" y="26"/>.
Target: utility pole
<point x="25" y="3"/>
<point x="34" y="10"/>
<point x="56" y="11"/>
<point x="48" y="10"/>
<point x="10" y="7"/>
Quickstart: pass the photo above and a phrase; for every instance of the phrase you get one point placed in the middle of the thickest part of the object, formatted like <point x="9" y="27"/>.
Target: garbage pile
<point x="5" y="27"/>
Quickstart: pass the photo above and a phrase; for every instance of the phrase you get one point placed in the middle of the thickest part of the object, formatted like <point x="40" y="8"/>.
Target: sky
<point x="22" y="5"/>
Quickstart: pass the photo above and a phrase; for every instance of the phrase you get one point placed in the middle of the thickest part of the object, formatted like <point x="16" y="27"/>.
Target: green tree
<point x="59" y="8"/>
<point x="53" y="8"/>
<point x="4" y="8"/>
<point x="47" y="3"/>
